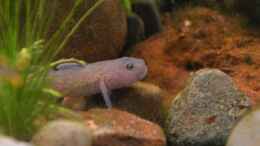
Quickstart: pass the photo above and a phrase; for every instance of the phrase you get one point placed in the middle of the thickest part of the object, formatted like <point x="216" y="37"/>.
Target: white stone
<point x="247" y="131"/>
<point x="6" y="141"/>
<point x="63" y="133"/>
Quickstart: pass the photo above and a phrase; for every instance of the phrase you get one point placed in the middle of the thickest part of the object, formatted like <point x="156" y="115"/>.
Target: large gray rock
<point x="63" y="133"/>
<point x="247" y="131"/>
<point x="206" y="110"/>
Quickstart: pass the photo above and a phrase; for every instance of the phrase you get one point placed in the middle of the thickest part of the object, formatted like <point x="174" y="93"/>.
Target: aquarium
<point x="129" y="73"/>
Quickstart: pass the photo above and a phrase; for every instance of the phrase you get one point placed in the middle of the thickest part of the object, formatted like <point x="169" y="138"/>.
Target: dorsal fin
<point x="68" y="64"/>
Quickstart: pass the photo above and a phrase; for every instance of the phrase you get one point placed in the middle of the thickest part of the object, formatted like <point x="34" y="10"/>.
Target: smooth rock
<point x="6" y="141"/>
<point x="247" y="131"/>
<point x="149" y="12"/>
<point x="206" y="110"/>
<point x="135" y="32"/>
<point x="118" y="128"/>
<point x="166" y="5"/>
<point x="143" y="99"/>
<point x="101" y="36"/>
<point x="63" y="133"/>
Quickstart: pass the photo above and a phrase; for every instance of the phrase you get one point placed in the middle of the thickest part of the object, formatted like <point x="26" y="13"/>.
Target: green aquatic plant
<point x="127" y="4"/>
<point x="27" y="49"/>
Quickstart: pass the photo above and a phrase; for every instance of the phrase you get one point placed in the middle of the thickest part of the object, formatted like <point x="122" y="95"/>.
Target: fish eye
<point x="129" y="66"/>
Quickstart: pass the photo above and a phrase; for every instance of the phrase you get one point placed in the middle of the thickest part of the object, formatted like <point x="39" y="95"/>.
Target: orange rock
<point x="119" y="128"/>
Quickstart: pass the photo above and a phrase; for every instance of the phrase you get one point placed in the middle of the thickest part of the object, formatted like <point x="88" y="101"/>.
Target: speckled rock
<point x="143" y="99"/>
<point x="247" y="131"/>
<point x="6" y="141"/>
<point x="206" y="110"/>
<point x="101" y="36"/>
<point x="119" y="128"/>
<point x="63" y="133"/>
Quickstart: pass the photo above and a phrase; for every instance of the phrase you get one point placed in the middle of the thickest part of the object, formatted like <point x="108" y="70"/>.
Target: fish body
<point x="78" y="80"/>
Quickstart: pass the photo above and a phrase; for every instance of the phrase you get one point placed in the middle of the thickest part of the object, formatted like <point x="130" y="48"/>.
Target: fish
<point x="78" y="80"/>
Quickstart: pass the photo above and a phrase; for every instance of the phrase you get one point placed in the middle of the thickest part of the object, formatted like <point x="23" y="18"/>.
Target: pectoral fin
<point x="106" y="93"/>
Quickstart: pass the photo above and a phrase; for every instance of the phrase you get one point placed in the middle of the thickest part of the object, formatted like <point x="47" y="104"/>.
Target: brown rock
<point x="101" y="36"/>
<point x="119" y="128"/>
